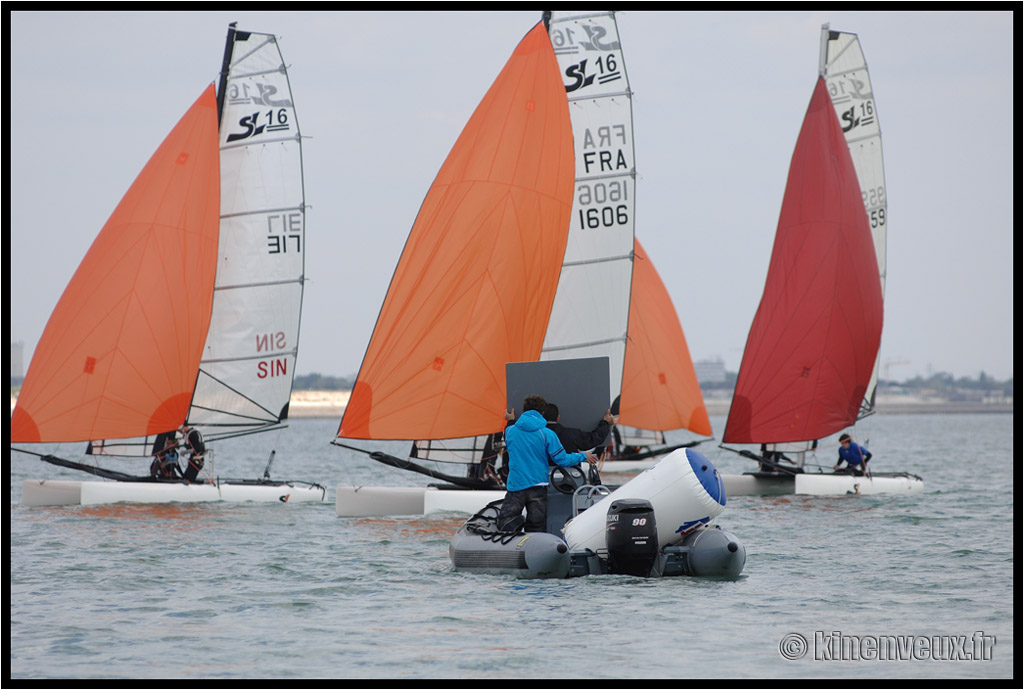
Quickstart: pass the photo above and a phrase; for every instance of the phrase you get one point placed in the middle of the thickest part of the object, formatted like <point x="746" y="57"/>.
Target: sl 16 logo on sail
<point x="253" y="124"/>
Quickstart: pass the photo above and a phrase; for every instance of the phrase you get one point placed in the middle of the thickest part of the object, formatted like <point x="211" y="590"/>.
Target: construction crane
<point x="891" y="363"/>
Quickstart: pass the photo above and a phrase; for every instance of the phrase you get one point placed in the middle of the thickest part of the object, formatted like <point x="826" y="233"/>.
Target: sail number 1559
<point x="607" y="196"/>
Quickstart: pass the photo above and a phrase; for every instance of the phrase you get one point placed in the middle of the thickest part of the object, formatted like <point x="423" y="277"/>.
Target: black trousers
<point x="195" y="463"/>
<point x="535" y="500"/>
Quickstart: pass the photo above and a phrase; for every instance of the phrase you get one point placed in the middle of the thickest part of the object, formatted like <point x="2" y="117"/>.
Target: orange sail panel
<point x="141" y="296"/>
<point x="814" y="340"/>
<point x="475" y="283"/>
<point x="660" y="390"/>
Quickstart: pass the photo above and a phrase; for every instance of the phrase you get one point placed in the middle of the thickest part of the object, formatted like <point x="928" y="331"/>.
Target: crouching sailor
<point x="856" y="457"/>
<point x="530" y="445"/>
<point x="165" y="463"/>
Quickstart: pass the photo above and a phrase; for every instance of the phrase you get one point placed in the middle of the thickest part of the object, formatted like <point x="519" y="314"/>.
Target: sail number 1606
<point x="607" y="196"/>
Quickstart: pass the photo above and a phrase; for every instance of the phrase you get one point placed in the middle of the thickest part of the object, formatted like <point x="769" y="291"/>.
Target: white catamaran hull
<point x="48" y="492"/>
<point x="813" y="484"/>
<point x="380" y="501"/>
<point x="627" y="466"/>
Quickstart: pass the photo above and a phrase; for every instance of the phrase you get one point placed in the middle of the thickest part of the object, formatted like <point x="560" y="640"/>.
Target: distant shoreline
<point x="308" y="404"/>
<point x="331" y="404"/>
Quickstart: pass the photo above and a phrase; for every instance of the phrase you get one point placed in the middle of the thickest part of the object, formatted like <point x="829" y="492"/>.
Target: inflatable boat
<point x="658" y="524"/>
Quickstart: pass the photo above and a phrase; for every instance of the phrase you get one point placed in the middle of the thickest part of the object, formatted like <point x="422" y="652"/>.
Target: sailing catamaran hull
<point x="814" y="484"/>
<point x="48" y="492"/>
<point x="380" y="501"/>
<point x="629" y="466"/>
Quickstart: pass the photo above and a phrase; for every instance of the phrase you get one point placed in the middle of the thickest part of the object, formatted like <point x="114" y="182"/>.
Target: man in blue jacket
<point x="530" y="444"/>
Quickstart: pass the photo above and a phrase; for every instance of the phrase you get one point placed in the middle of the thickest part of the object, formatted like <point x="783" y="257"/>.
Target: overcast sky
<point x="719" y="99"/>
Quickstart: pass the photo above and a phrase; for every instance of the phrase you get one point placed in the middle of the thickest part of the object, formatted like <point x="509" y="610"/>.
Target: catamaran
<point x="185" y="310"/>
<point x="810" y="366"/>
<point x="523" y="250"/>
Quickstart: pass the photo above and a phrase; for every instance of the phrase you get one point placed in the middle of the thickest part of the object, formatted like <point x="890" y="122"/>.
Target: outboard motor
<point x="632" y="537"/>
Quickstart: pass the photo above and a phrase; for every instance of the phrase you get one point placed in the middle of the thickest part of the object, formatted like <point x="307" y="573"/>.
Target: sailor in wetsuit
<point x="165" y="463"/>
<point x="856" y="457"/>
<point x="193" y="441"/>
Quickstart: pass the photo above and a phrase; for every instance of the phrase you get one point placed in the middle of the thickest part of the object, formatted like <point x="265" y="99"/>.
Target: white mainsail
<point x="845" y="70"/>
<point x="591" y="308"/>
<point x="245" y="378"/>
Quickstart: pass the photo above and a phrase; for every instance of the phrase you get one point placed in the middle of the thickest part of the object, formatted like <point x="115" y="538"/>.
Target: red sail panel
<point x="476" y="281"/>
<point x="120" y="353"/>
<point x="660" y="390"/>
<point x="816" y="334"/>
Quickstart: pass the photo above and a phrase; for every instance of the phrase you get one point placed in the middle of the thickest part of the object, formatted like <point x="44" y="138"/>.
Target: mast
<point x="225" y="67"/>
<point x="823" y="50"/>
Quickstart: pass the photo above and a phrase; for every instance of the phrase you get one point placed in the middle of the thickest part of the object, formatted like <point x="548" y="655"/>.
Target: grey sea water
<point x="854" y="587"/>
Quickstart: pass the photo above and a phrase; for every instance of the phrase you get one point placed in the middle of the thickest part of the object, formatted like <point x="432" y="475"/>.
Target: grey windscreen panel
<point x="580" y="387"/>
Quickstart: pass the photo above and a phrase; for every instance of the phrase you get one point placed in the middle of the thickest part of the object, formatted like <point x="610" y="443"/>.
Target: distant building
<point x="710" y="371"/>
<point x="17" y="360"/>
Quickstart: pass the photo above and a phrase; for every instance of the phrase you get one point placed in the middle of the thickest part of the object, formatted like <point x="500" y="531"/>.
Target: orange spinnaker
<point x="476" y="281"/>
<point x="121" y="351"/>
<point x="660" y="390"/>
